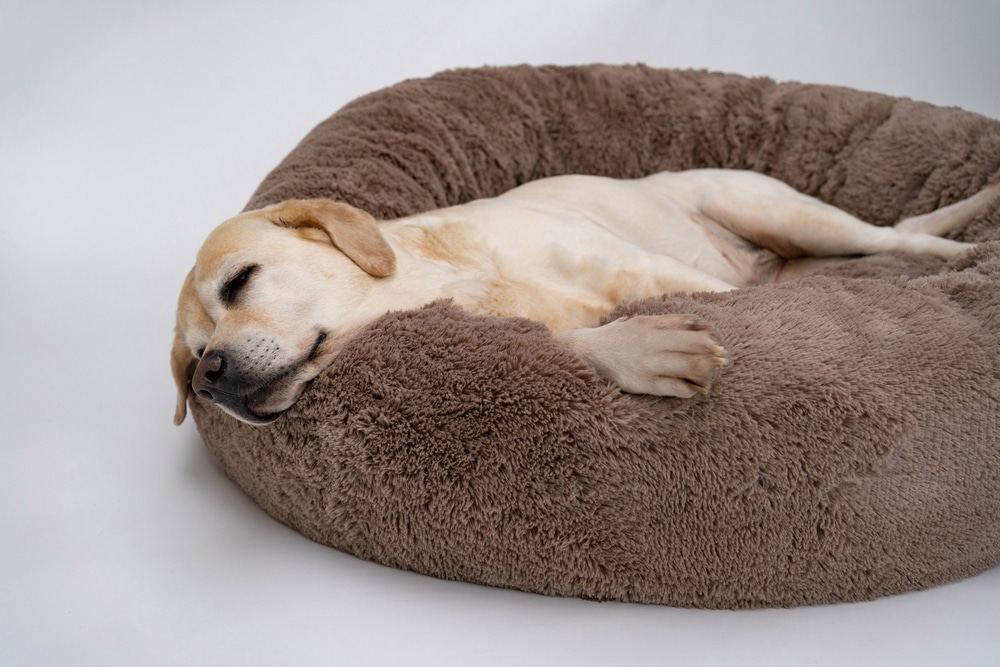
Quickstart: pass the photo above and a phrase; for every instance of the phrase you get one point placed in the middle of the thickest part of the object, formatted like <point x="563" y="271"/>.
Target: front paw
<point x="661" y="355"/>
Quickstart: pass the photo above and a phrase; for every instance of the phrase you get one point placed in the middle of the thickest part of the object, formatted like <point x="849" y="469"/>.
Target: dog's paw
<point x="662" y="355"/>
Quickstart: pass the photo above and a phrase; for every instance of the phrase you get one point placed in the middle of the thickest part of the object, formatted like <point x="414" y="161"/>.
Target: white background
<point x="128" y="130"/>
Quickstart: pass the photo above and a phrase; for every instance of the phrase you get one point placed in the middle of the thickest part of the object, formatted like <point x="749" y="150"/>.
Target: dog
<point x="276" y="292"/>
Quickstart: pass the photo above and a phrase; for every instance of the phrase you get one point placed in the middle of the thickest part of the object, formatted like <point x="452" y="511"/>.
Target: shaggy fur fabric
<point x="850" y="450"/>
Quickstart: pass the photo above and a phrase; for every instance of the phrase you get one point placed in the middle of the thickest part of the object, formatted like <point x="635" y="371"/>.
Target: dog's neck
<point x="439" y="261"/>
<point x="442" y="259"/>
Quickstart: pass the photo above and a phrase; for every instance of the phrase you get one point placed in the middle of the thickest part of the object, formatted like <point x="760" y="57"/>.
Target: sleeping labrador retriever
<point x="276" y="292"/>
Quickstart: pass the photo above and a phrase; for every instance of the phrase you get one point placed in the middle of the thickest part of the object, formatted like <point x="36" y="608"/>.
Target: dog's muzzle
<point x="216" y="379"/>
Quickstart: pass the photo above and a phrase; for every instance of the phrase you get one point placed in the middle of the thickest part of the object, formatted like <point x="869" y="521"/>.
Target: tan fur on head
<point x="352" y="230"/>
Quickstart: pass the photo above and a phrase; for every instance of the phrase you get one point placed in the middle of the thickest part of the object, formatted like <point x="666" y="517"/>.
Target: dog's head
<point x="272" y="296"/>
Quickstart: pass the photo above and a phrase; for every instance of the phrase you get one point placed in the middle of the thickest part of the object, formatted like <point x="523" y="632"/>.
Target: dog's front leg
<point x="662" y="355"/>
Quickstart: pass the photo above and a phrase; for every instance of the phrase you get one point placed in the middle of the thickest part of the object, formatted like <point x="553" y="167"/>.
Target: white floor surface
<point x="129" y="129"/>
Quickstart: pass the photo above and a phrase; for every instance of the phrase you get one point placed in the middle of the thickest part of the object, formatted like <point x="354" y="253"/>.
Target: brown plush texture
<point x="850" y="450"/>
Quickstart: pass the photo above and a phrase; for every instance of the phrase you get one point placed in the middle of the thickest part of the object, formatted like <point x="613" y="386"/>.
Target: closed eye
<point x="231" y="290"/>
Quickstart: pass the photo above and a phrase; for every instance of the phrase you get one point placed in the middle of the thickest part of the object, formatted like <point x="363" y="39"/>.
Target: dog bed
<point x="850" y="450"/>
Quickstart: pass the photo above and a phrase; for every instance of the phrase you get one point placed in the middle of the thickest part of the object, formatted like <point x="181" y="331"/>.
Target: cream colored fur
<point x="276" y="292"/>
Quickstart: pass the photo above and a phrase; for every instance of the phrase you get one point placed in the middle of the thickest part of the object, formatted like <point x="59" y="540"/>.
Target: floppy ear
<point x="350" y="229"/>
<point x="182" y="364"/>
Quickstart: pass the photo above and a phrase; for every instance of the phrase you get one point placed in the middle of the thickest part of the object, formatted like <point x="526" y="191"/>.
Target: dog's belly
<point x="627" y="219"/>
<point x="570" y="277"/>
<point x="567" y="251"/>
<point x="732" y="258"/>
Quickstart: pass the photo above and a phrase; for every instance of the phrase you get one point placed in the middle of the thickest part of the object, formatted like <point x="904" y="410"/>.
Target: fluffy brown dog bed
<point x="850" y="450"/>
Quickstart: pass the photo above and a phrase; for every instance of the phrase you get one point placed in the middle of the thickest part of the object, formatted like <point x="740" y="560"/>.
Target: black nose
<point x="209" y="375"/>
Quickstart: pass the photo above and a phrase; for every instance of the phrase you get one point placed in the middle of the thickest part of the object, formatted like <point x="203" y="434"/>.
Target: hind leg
<point x="791" y="224"/>
<point x="951" y="217"/>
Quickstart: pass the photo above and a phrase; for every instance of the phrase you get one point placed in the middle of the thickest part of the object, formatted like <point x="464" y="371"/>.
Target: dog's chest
<point x="558" y="304"/>
<point x="566" y="287"/>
